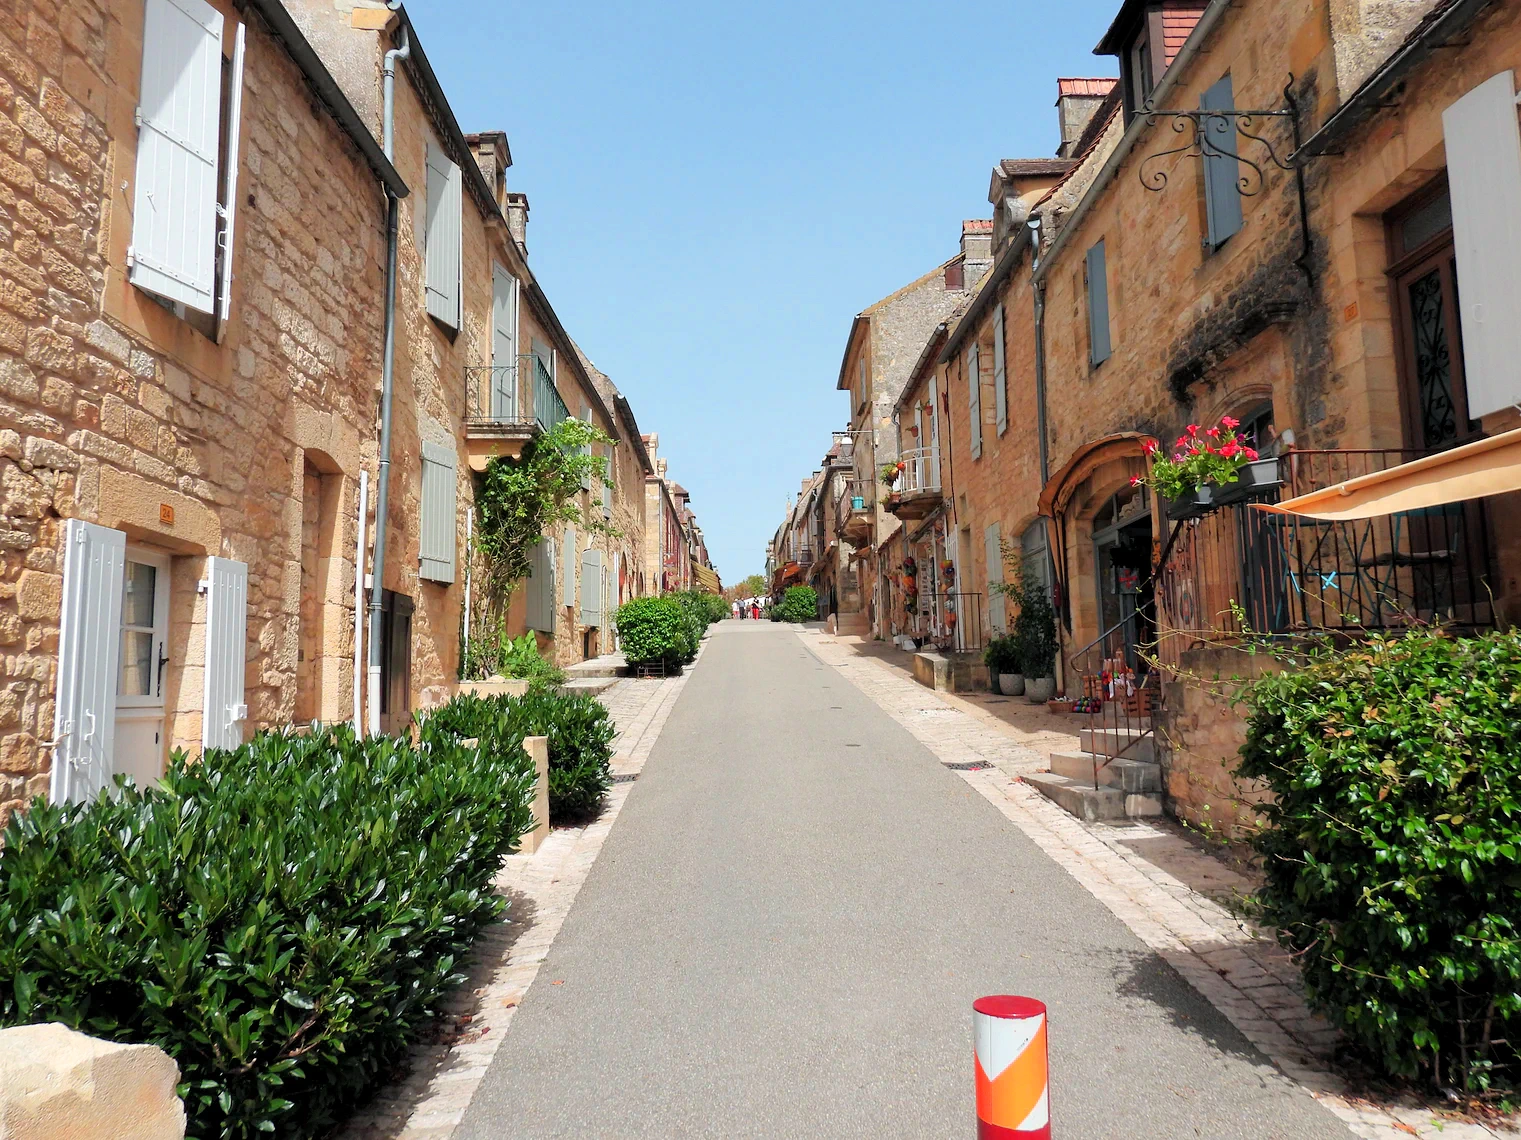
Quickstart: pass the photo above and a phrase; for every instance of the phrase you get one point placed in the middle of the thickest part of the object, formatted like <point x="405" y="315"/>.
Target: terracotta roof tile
<point x="1084" y="86"/>
<point x="977" y="226"/>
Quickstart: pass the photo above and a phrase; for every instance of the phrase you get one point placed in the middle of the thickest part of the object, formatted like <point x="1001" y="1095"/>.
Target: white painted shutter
<point x="541" y="587"/>
<point x="230" y="211"/>
<point x="174" y="199"/>
<point x="1222" y="169"/>
<point x="974" y="398"/>
<point x="569" y="562"/>
<point x="445" y="203"/>
<point x="439" y="524"/>
<point x="1000" y="372"/>
<point x="504" y="344"/>
<point x="89" y="646"/>
<point x="997" y="614"/>
<point x="226" y="587"/>
<point x="916" y="468"/>
<point x="607" y="483"/>
<point x="591" y="588"/>
<point x="586" y="415"/>
<point x="1484" y="179"/>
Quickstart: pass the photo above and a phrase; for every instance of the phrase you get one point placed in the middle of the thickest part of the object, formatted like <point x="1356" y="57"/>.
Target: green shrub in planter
<point x="1035" y="630"/>
<point x="653" y="630"/>
<point x="1002" y="655"/>
<point x="1393" y="847"/>
<point x="282" y="919"/>
<point x="580" y="735"/>
<point x="800" y="603"/>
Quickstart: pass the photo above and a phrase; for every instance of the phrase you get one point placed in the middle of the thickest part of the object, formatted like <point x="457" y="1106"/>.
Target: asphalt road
<point x="786" y="929"/>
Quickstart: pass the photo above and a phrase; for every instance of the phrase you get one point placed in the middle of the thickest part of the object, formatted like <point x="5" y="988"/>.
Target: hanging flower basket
<point x="1202" y="465"/>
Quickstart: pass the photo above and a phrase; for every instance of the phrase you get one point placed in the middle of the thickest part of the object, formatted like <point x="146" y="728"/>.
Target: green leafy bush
<point x="800" y="603"/>
<point x="1393" y="847"/>
<point x="1034" y="630"/>
<point x="1002" y="655"/>
<point x="282" y="918"/>
<point x="504" y="656"/>
<point x="654" y="631"/>
<point x="580" y="735"/>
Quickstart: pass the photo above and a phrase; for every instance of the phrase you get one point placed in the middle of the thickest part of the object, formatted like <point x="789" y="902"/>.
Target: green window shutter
<point x="974" y="399"/>
<point x="439" y="524"/>
<point x="1000" y="372"/>
<point x="1222" y="170"/>
<point x="1099" y="349"/>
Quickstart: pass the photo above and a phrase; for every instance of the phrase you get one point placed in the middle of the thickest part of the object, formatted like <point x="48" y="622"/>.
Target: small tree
<point x="516" y="502"/>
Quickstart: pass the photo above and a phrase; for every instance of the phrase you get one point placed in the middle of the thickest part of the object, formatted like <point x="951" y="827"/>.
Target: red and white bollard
<point x="1013" y="1100"/>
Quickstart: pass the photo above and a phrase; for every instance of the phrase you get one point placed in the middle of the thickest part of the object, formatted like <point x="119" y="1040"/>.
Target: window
<point x="1000" y="373"/>
<point x="439" y="517"/>
<point x="974" y="399"/>
<point x="1139" y="80"/>
<point x="441" y="237"/>
<point x="955" y="276"/>
<point x="1222" y="169"/>
<point x="395" y="661"/>
<point x="1099" y="349"/>
<point x="185" y="182"/>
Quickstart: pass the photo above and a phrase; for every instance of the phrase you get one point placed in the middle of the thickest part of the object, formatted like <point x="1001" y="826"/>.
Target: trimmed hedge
<point x="282" y="918"/>
<point x="1393" y="851"/>
<point x="800" y="603"/>
<point x="654" y="630"/>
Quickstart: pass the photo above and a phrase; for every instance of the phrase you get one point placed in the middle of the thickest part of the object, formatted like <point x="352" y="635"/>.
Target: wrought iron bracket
<point x="1195" y="125"/>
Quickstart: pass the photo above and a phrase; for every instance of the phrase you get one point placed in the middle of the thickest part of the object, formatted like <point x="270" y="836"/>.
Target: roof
<point x="1447" y="20"/>
<point x="301" y="52"/>
<point x="614" y="399"/>
<point x="1035" y="167"/>
<point x="1128" y="18"/>
<point x="1084" y="86"/>
<point x="977" y="226"/>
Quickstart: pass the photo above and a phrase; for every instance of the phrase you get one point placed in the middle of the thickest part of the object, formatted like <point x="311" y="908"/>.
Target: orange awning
<point x="1486" y="467"/>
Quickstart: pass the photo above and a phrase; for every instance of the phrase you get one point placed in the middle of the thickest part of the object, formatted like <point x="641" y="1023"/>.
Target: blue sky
<point x="716" y="190"/>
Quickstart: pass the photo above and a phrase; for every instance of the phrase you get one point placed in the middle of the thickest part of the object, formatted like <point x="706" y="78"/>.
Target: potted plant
<point x="1005" y="669"/>
<point x="1202" y="464"/>
<point x="890" y="473"/>
<point x="1035" y="627"/>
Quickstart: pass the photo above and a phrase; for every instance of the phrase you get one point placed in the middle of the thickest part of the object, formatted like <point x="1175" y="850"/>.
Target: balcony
<point x="506" y="406"/>
<point x="855" y="517"/>
<point x="1238" y="570"/>
<point x="916" y="494"/>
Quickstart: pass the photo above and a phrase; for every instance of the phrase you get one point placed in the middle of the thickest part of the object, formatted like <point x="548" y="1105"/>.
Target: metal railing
<point x="859" y="496"/>
<point x="959" y="618"/>
<point x="921" y="471"/>
<point x="519" y="394"/>
<point x="1121" y="693"/>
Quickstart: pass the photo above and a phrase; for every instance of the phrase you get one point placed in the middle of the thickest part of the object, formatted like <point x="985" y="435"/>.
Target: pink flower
<point x="1249" y="453"/>
<point x="1150" y="447"/>
<point x="1182" y="441"/>
<point x="1135" y="480"/>
<point x="1213" y="433"/>
<point x="1193" y="429"/>
<point x="1231" y="449"/>
<point x="1229" y="424"/>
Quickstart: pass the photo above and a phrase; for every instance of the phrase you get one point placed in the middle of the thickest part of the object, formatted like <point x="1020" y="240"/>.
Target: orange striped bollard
<point x="1013" y="1101"/>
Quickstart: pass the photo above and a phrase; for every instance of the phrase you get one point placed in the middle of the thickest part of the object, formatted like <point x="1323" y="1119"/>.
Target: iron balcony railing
<point x="518" y="394"/>
<point x="857" y="497"/>
<point x="1239" y="571"/>
<point x="921" y="471"/>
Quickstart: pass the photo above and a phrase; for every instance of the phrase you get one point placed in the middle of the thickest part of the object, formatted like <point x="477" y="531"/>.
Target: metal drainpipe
<point x="388" y="367"/>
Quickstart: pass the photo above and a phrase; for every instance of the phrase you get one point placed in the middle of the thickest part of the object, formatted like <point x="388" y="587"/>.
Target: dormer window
<point x="1145" y="36"/>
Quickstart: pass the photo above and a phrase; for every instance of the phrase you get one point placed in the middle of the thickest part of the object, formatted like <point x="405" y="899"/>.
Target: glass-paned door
<point x="140" y="745"/>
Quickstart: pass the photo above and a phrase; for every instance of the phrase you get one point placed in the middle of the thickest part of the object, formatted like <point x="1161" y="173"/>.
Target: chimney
<point x="651" y="444"/>
<point x="976" y="248"/>
<point x="493" y="157"/>
<point x="517" y="220"/>
<point x="1076" y="102"/>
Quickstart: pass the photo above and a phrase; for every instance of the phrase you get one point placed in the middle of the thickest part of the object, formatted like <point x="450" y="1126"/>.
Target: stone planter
<point x="1039" y="690"/>
<point x="1011" y="684"/>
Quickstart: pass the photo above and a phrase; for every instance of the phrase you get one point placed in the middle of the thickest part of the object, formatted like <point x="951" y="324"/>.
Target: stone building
<point x="883" y="344"/>
<point x="667" y="555"/>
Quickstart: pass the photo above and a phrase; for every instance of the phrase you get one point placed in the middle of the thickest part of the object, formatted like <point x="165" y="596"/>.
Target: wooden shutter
<point x="445" y="202"/>
<point x="541" y="587"/>
<point x="586" y="479"/>
<point x="591" y="588"/>
<point x="1484" y="179"/>
<point x="226" y="589"/>
<point x="569" y="562"/>
<point x="974" y="398"/>
<point x="997" y="614"/>
<point x="1098" y="306"/>
<point x="174" y="199"/>
<point x="504" y="344"/>
<point x="89" y="646"/>
<point x="1000" y="372"/>
<point x="1222" y="169"/>
<point x="607" y="482"/>
<point x="439" y="524"/>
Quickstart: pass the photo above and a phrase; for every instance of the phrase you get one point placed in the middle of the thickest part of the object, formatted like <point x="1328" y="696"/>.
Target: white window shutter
<point x="504" y="344"/>
<point x="230" y="211"/>
<point x="1484" y="179"/>
<point x="974" y="399"/>
<point x="445" y="191"/>
<point x="1000" y="373"/>
<point x="226" y="588"/>
<point x="586" y="416"/>
<point x="174" y="199"/>
<point x="89" y="645"/>
<point x="439" y="525"/>
<point x="570" y="563"/>
<point x="997" y="613"/>
<point x="541" y="588"/>
<point x="591" y="588"/>
<point x="934" y="399"/>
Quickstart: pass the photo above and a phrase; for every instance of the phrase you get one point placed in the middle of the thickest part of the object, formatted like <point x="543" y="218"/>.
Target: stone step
<point x="1132" y="741"/>
<point x="1119" y="772"/>
<point x="611" y="665"/>
<point x="1090" y="804"/>
<point x="589" y="686"/>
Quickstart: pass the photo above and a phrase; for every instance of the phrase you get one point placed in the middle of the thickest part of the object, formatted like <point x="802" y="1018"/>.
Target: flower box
<point x="1199" y="504"/>
<point x="1257" y="476"/>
